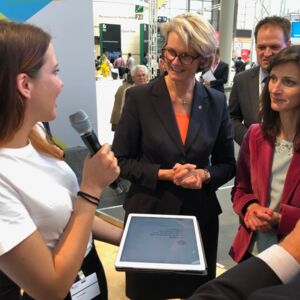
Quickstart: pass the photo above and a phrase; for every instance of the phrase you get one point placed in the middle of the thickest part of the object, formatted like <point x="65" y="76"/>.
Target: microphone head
<point x="81" y="122"/>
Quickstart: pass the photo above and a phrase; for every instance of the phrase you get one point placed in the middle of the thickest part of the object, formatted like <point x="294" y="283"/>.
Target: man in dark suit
<point x="239" y="65"/>
<point x="273" y="275"/>
<point x="271" y="35"/>
<point x="220" y="71"/>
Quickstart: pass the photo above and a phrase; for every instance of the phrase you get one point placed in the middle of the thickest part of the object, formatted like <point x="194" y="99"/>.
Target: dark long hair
<point x="270" y="119"/>
<point x="22" y="50"/>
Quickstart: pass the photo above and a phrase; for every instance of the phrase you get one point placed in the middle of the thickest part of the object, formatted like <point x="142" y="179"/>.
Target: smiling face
<point x="270" y="40"/>
<point x="284" y="88"/>
<point x="176" y="70"/>
<point x="45" y="88"/>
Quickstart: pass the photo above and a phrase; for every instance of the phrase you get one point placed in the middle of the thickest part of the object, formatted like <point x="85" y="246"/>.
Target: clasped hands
<point x="261" y="218"/>
<point x="188" y="176"/>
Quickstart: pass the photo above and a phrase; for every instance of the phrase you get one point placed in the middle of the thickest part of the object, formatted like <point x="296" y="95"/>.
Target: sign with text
<point x="110" y="40"/>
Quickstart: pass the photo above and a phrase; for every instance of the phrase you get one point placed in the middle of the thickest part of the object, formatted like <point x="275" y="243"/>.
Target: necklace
<point x="182" y="101"/>
<point x="283" y="146"/>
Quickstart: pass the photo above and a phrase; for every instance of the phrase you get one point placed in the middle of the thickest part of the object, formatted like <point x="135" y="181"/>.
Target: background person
<point x="220" y="71"/>
<point x="239" y="65"/>
<point x="271" y="35"/>
<point x="174" y="143"/>
<point x="161" y="66"/>
<point x="118" y="103"/>
<point x="145" y="59"/>
<point x="45" y="225"/>
<point x="129" y="62"/>
<point x="161" y="71"/>
<point x="119" y="63"/>
<point x="137" y="76"/>
<point x="266" y="193"/>
<point x="97" y="62"/>
<point x="105" y="66"/>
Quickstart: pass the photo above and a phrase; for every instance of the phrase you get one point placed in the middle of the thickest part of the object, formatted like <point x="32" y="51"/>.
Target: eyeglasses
<point x="184" y="58"/>
<point x="140" y="75"/>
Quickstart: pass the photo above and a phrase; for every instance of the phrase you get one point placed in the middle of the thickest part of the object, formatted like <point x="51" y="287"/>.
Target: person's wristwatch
<point x="207" y="176"/>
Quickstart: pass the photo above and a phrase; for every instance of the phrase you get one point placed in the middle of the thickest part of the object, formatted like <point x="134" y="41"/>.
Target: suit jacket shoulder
<point x="239" y="282"/>
<point x="289" y="291"/>
<point x="224" y="64"/>
<point x="244" y="101"/>
<point x="250" y="73"/>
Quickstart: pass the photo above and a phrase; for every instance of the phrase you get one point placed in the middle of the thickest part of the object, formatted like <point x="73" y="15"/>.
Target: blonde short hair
<point x="197" y="33"/>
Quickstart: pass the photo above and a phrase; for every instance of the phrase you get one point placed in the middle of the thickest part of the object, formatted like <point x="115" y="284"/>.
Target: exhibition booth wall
<point x="71" y="25"/>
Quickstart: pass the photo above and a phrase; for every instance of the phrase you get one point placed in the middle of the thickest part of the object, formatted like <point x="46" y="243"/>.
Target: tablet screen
<point x="161" y="242"/>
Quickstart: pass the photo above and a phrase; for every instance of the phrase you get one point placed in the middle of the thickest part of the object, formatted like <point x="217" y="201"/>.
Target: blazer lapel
<point x="218" y="68"/>
<point x="292" y="178"/>
<point x="198" y="114"/>
<point x="254" y="91"/>
<point x="162" y="105"/>
<point x="264" y="158"/>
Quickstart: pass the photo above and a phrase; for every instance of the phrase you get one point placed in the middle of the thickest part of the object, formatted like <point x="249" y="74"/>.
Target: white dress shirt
<point x="281" y="262"/>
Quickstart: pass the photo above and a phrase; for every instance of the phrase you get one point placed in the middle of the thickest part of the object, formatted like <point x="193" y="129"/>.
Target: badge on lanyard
<point x="86" y="288"/>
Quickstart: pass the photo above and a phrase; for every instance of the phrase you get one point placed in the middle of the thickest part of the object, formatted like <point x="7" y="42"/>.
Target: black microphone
<point x="82" y="124"/>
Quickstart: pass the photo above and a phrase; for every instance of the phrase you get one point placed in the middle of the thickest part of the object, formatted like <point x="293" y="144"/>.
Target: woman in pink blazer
<point x="266" y="194"/>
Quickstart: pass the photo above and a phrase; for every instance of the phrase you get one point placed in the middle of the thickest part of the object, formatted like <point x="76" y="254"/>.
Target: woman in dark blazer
<point x="266" y="195"/>
<point x="174" y="143"/>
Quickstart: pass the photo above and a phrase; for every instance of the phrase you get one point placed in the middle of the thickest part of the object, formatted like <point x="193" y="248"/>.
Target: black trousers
<point x="10" y="291"/>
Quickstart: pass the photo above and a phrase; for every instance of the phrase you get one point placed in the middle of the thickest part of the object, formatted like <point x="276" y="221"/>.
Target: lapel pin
<point x="200" y="107"/>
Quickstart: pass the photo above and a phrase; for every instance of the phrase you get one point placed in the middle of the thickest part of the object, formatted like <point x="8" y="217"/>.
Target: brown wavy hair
<point x="22" y="50"/>
<point x="270" y="119"/>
